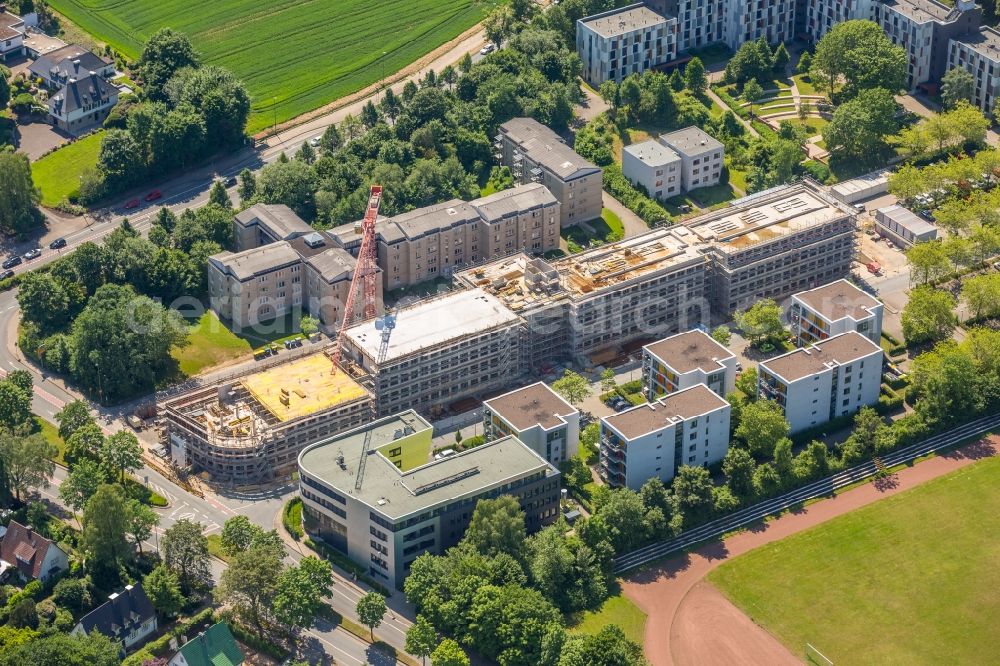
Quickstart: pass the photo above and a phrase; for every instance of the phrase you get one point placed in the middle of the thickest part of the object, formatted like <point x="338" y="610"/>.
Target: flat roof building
<point x="826" y="380"/>
<point x="251" y="429"/>
<point x="903" y="227"/>
<point x="387" y="517"/>
<point x="979" y="54"/>
<point x="833" y="309"/>
<point x="539" y="417"/>
<point x="684" y="360"/>
<point x="688" y="427"/>
<point x="620" y="42"/>
<point x="536" y="154"/>
<point x="701" y="156"/>
<point x="655" y="167"/>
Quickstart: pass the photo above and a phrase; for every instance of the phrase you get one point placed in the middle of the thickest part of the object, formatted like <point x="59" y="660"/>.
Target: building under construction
<point x="251" y="429"/>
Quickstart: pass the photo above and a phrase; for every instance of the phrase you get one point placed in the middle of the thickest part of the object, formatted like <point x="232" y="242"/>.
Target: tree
<point x="308" y="325"/>
<point x="86" y="443"/>
<point x="752" y="61"/>
<point x="61" y="649"/>
<point x="860" y="127"/>
<point x="449" y="653"/>
<point x="218" y="196"/>
<point x="780" y="59"/>
<point x="747" y="383"/>
<point x="738" y="466"/>
<point x="676" y="81"/>
<point x="957" y="85"/>
<point x="165" y="53"/>
<point x="238" y="534"/>
<point x="121" y="453"/>
<point x="248" y="185"/>
<point x="982" y="294"/>
<point x="863" y="440"/>
<point x="804" y="64"/>
<point x="608" y="382"/>
<point x="84" y="479"/>
<point x="249" y="584"/>
<point x="766" y="480"/>
<point x="371" y="608"/>
<point x="623" y="513"/>
<point x="722" y="335"/>
<point x="105" y="525"/>
<point x="573" y="387"/>
<point x="291" y="183"/>
<point x="390" y="104"/>
<point x="928" y="260"/>
<point x="859" y="52"/>
<point x="18" y="197"/>
<point x="27" y="461"/>
<point x="185" y="552"/>
<point x="46" y="299"/>
<point x="498" y="24"/>
<point x="4" y="90"/>
<point x="693" y="490"/>
<point x="695" y="79"/>
<point x="928" y="315"/>
<point x="164" y="590"/>
<point x="300" y="592"/>
<point x="15" y="405"/>
<point x="465" y="64"/>
<point x="762" y="425"/>
<point x="72" y="417"/>
<point x="421" y="638"/>
<point x="72" y="593"/>
<point x="762" y="320"/>
<point x="141" y="521"/>
<point x="497" y="526"/>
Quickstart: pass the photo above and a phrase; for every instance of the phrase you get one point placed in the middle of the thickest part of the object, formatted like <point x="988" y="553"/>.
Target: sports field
<point x="294" y="55"/>
<point x="911" y="579"/>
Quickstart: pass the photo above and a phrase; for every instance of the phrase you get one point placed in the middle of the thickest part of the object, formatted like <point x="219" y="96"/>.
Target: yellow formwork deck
<point x="308" y="385"/>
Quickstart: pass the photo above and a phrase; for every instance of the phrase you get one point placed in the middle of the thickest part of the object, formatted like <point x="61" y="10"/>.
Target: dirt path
<point x="702" y="627"/>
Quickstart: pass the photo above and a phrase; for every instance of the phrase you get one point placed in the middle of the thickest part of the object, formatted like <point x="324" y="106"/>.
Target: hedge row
<point x="160" y="646"/>
<point x="635" y="200"/>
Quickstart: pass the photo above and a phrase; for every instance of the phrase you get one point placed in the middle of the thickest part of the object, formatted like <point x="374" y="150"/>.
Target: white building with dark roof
<point x="828" y="379"/>
<point x="539" y="417"/>
<point x="57" y="67"/>
<point x="689" y="427"/>
<point x="12" y="31"/>
<point x="127" y="617"/>
<point x="834" y="308"/>
<point x="684" y="360"/>
<point x="31" y="554"/>
<point x="82" y="103"/>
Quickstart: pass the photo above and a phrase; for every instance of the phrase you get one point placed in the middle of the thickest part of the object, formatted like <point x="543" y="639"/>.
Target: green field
<point x="57" y="174"/>
<point x="209" y="343"/>
<point x="911" y="579"/>
<point x="294" y="56"/>
<point x="615" y="610"/>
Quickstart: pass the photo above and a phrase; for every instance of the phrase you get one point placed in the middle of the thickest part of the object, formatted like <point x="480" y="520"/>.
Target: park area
<point x="911" y="579"/>
<point x="293" y="56"/>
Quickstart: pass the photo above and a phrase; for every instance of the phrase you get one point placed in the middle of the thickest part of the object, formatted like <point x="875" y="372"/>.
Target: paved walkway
<point x="663" y="591"/>
<point x="718" y="100"/>
<point x="633" y="224"/>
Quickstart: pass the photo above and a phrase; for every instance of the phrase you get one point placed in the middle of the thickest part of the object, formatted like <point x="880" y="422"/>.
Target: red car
<point x="154" y="195"/>
<point x="131" y="203"/>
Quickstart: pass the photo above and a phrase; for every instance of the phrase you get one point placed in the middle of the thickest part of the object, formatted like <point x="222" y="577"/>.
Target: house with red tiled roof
<point x="30" y="553"/>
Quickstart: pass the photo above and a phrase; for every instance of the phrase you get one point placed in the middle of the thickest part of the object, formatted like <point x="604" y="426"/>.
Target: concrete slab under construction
<point x="302" y="387"/>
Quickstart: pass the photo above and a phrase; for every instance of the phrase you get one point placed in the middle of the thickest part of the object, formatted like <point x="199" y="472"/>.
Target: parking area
<point x="37" y="138"/>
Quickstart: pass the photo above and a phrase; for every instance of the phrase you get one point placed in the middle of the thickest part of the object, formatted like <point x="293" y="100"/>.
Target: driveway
<point x="37" y="138"/>
<point x="633" y="224"/>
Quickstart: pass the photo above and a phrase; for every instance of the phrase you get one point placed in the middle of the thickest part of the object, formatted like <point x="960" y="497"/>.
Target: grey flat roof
<point x="434" y="321"/>
<point x="652" y="152"/>
<point x="333" y="264"/>
<point x="689" y="351"/>
<point x="690" y="141"/>
<point x="256" y="261"/>
<point x="544" y="147"/>
<point x="806" y="361"/>
<point x="513" y="201"/>
<point x="397" y="494"/>
<point x="279" y="219"/>
<point x="532" y="405"/>
<point x="839" y="299"/>
<point x="622" y="21"/>
<point x="922" y="11"/>
<point x="686" y="404"/>
<point x="986" y="42"/>
<point x="907" y="219"/>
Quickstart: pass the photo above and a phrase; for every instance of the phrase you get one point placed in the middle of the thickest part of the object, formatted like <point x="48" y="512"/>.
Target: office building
<point x="539" y="417"/>
<point x="536" y="154"/>
<point x="835" y="308"/>
<point x="828" y="379"/>
<point x="251" y="429"/>
<point x="685" y="360"/>
<point x="625" y="41"/>
<point x="383" y="517"/>
<point x="689" y="427"/>
<point x="902" y="226"/>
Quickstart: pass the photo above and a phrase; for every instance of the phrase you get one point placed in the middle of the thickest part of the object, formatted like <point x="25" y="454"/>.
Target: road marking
<point x="347" y="633"/>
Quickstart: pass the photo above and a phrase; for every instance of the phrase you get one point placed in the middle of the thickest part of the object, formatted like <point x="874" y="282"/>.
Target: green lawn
<point x="615" y="610"/>
<point x="613" y="222"/>
<point x="294" y="56"/>
<point x="806" y="85"/>
<point x="57" y="174"/>
<point x="812" y="126"/>
<point x="911" y="579"/>
<point x="50" y="432"/>
<point x="606" y="229"/>
<point x="209" y="343"/>
<point x="215" y="547"/>
<point x="707" y="197"/>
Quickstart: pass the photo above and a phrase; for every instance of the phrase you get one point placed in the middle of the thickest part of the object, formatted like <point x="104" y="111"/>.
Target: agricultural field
<point x="294" y="56"/>
<point x="911" y="579"/>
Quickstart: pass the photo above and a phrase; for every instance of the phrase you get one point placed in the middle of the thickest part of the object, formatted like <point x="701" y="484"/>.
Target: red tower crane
<point x="365" y="272"/>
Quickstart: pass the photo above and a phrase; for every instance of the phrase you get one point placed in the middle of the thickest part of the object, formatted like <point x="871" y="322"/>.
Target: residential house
<point x="12" y="31"/>
<point x="34" y="556"/>
<point x="701" y="156"/>
<point x="213" y="647"/>
<point x="127" y="617"/>
<point x="58" y="67"/>
<point x="82" y="103"/>
<point x="833" y="309"/>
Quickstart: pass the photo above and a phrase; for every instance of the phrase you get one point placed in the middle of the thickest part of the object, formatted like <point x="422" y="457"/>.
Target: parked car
<point x="153" y="196"/>
<point x="6" y="275"/>
<point x="57" y="244"/>
<point x="10" y="262"/>
<point x="488" y="49"/>
<point x="229" y="182"/>
<point x="33" y="253"/>
<point x="314" y="142"/>
<point x="131" y="203"/>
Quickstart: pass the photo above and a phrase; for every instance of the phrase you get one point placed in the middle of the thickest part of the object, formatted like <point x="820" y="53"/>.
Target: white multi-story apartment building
<point x="685" y="360"/>
<point x="826" y="380"/>
<point x="689" y="427"/>
<point x="822" y="15"/>
<point x="654" y="166"/>
<point x="539" y="417"/>
<point x="701" y="156"/>
<point x="832" y="309"/>
<point x="624" y="41"/>
<point x="749" y="20"/>
<point x="979" y="54"/>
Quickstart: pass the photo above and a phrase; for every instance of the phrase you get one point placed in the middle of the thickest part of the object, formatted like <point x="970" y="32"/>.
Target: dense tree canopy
<point x="859" y="53"/>
<point x="18" y="197"/>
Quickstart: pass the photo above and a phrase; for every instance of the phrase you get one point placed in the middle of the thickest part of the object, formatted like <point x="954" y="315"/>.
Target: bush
<point x="636" y="398"/>
<point x="634" y="386"/>
<point x="340" y="560"/>
<point x="22" y="103"/>
<point x="256" y="643"/>
<point x="72" y="593"/>
<point x="817" y="170"/>
<point x="620" y="188"/>
<point x="291" y="518"/>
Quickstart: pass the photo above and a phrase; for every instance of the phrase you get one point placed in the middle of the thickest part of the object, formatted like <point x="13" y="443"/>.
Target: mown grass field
<point x="617" y="609"/>
<point x="294" y="56"/>
<point x="911" y="579"/>
<point x="57" y="174"/>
